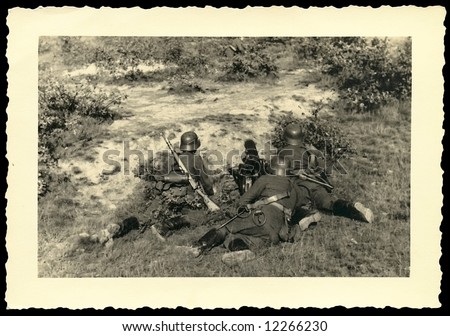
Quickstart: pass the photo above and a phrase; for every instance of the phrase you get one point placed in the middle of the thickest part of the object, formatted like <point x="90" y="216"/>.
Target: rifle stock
<point x="210" y="204"/>
<point x="194" y="184"/>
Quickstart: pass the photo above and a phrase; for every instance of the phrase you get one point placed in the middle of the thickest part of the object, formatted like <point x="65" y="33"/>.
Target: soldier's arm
<point x="204" y="177"/>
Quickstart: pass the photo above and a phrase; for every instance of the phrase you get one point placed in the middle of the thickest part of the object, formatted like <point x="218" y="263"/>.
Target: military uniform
<point x="306" y="159"/>
<point x="272" y="223"/>
<point x="195" y="165"/>
<point x="177" y="193"/>
<point x="269" y="222"/>
<point x="311" y="161"/>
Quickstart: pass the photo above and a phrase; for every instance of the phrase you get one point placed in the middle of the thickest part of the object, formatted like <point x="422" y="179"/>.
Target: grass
<point x="336" y="247"/>
<point x="379" y="177"/>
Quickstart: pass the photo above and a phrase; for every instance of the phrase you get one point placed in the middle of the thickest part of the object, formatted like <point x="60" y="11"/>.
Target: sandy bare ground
<point x="223" y="116"/>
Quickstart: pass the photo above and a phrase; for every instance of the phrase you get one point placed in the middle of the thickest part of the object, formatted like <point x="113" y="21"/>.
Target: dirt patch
<point x="223" y="118"/>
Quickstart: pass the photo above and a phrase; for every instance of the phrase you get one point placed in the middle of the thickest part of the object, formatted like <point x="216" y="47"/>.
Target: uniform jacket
<point x="266" y="186"/>
<point x="195" y="165"/>
<point x="301" y="156"/>
<point x="318" y="195"/>
<point x="270" y="185"/>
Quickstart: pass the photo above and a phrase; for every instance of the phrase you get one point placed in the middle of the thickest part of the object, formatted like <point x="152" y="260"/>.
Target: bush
<point x="74" y="51"/>
<point x="369" y="73"/>
<point x="308" y="49"/>
<point x="67" y="113"/>
<point x="121" y="56"/>
<point x="323" y="134"/>
<point x="250" y="61"/>
<point x="62" y="99"/>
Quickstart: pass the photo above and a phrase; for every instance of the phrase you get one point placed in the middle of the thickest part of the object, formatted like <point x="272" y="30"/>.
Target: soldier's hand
<point x="243" y="209"/>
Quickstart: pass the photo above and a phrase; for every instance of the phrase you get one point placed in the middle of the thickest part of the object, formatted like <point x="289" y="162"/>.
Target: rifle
<point x="241" y="212"/>
<point x="194" y="184"/>
<point x="306" y="177"/>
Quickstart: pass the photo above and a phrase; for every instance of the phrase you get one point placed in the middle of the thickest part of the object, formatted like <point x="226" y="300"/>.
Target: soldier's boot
<point x="163" y="230"/>
<point x="305" y="217"/>
<point x="239" y="252"/>
<point x="350" y="210"/>
<point x="238" y="244"/>
<point x="312" y="218"/>
<point x="160" y="231"/>
<point x="237" y="257"/>
<point x="209" y="240"/>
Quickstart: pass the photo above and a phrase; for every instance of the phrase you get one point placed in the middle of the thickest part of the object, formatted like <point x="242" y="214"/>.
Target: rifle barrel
<point x="308" y="178"/>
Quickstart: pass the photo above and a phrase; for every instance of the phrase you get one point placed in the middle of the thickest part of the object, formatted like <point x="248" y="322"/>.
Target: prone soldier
<point x="264" y="216"/>
<point x="311" y="174"/>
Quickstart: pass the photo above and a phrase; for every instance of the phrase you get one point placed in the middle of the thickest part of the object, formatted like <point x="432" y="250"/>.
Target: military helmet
<point x="293" y="134"/>
<point x="280" y="166"/>
<point x="189" y="141"/>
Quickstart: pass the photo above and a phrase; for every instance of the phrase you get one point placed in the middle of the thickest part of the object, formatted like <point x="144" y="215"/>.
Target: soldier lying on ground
<point x="307" y="162"/>
<point x="266" y="210"/>
<point x="176" y="187"/>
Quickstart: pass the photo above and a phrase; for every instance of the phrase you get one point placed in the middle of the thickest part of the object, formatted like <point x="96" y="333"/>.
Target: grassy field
<point x="224" y="115"/>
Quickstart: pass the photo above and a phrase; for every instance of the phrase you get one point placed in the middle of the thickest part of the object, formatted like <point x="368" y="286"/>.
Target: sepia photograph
<point x="219" y="157"/>
<point x="284" y="158"/>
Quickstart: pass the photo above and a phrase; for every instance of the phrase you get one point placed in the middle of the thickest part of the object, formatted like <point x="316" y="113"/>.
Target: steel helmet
<point x="293" y="134"/>
<point x="280" y="166"/>
<point x="189" y="142"/>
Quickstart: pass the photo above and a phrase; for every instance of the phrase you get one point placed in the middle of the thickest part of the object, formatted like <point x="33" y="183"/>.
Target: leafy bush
<point x="127" y="53"/>
<point x="121" y="56"/>
<point x="83" y="98"/>
<point x="250" y="61"/>
<point x="367" y="73"/>
<point x="323" y="134"/>
<point x="68" y="113"/>
<point x="308" y="49"/>
<point x="74" y="51"/>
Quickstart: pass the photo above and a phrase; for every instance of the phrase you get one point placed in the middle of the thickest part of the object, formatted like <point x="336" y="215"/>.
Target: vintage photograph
<point x="222" y="158"/>
<point x="272" y="156"/>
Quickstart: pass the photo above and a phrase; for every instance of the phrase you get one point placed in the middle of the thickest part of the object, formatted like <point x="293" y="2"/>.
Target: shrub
<point x="323" y="134"/>
<point x="67" y="113"/>
<point x="249" y="62"/>
<point x="308" y="49"/>
<point x="74" y="51"/>
<point x="61" y="99"/>
<point x="367" y="75"/>
<point x="121" y="56"/>
<point x="368" y="72"/>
